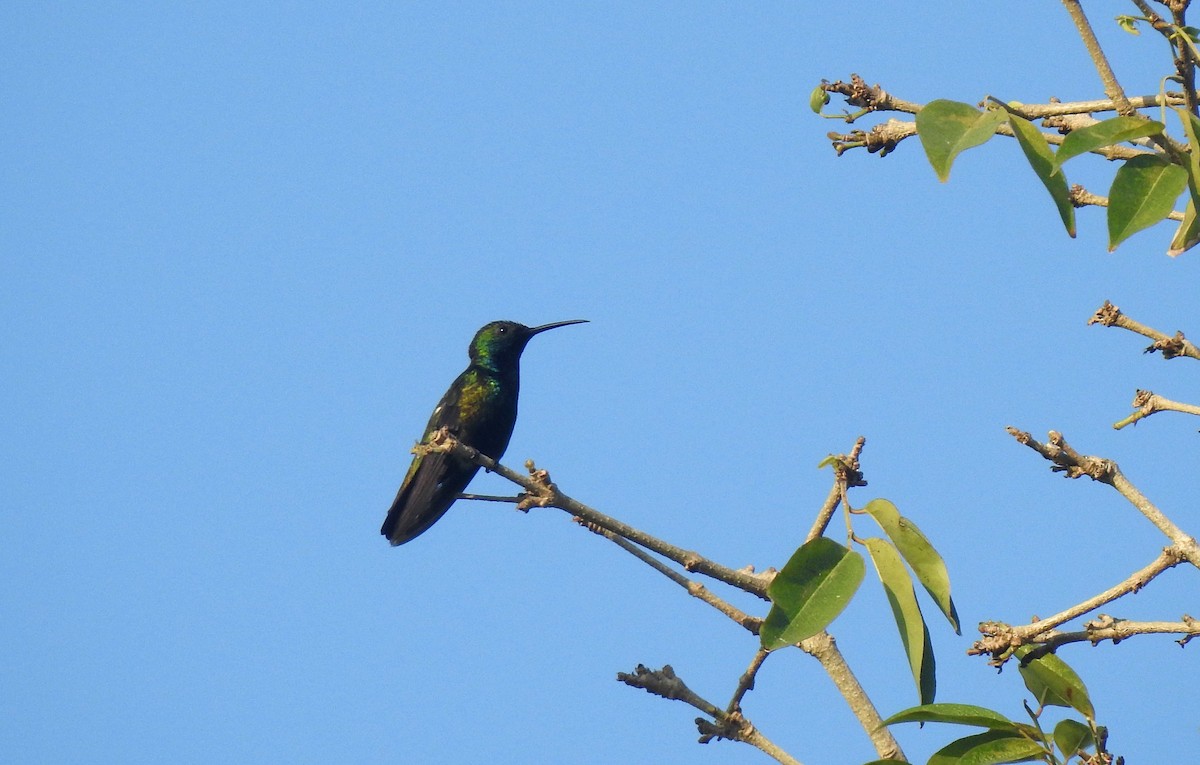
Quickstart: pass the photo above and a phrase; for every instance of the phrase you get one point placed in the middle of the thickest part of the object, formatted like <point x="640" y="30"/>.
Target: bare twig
<point x="1000" y="638"/>
<point x="1147" y="403"/>
<point x="1105" y="627"/>
<point x="845" y="475"/>
<point x="1081" y="197"/>
<point x="1074" y="465"/>
<point x="694" y="588"/>
<point x="541" y="492"/>
<point x="1112" y="88"/>
<point x="733" y="726"/>
<point x="746" y="681"/>
<point x="1109" y="315"/>
<point x="876" y="99"/>
<point x="884" y="137"/>
<point x="490" y="498"/>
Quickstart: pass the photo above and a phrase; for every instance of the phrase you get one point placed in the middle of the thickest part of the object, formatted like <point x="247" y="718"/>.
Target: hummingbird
<point x="480" y="409"/>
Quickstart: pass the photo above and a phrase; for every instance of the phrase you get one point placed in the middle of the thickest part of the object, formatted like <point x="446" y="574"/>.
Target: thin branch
<point x="541" y="492"/>
<point x="1147" y="403"/>
<point x="1106" y="627"/>
<point x="746" y="681"/>
<point x="694" y="588"/>
<point x="1167" y="559"/>
<point x="1000" y="638"/>
<point x="1081" y="197"/>
<point x="733" y="726"/>
<point x="1109" y="315"/>
<point x="876" y="99"/>
<point x="1074" y="465"/>
<point x="1188" y="547"/>
<point x="884" y="137"/>
<point x="1112" y="88"/>
<point x="846" y="473"/>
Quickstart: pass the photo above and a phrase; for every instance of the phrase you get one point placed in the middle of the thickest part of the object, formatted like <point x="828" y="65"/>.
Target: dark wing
<point x="433" y="481"/>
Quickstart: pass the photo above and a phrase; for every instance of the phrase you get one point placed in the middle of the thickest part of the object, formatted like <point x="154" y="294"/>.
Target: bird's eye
<point x="501" y="330"/>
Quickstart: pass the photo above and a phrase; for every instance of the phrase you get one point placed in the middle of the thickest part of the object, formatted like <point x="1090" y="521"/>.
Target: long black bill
<point x="534" y="330"/>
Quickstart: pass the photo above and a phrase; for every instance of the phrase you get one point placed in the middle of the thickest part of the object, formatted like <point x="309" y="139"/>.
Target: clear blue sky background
<point x="244" y="248"/>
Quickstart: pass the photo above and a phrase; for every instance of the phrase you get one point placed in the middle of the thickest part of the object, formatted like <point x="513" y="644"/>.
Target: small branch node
<point x="1107" y="314"/>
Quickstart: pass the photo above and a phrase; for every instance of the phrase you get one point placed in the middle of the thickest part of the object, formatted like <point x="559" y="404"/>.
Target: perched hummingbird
<point x="480" y="409"/>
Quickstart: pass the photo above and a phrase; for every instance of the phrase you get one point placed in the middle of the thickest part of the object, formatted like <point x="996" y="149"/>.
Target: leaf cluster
<point x="1144" y="188"/>
<point x="822" y="576"/>
<point x="1003" y="740"/>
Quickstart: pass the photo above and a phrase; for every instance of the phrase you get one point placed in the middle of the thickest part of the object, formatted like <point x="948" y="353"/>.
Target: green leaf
<point x="947" y="128"/>
<point x="1053" y="683"/>
<point x="990" y="748"/>
<point x="1106" y="133"/>
<point x="956" y="714"/>
<point x="1187" y="235"/>
<point x="926" y="563"/>
<point x="818" y="99"/>
<point x="1191" y="127"/>
<point x="1143" y="192"/>
<point x="811" y="590"/>
<point x="1129" y="24"/>
<point x="907" y="612"/>
<point x="1070" y="736"/>
<point x="1041" y="159"/>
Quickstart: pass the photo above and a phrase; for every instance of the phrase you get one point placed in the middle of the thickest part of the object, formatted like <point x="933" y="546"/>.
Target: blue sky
<point x="244" y="249"/>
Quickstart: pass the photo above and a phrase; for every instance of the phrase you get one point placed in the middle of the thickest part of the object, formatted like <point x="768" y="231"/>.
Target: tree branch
<point x="1109" y="315"/>
<point x="733" y="726"/>
<point x="1112" y="88"/>
<point x="696" y="589"/>
<point x="1074" y="465"/>
<point x="540" y="491"/>
<point x="1000" y="638"/>
<point x="824" y="649"/>
<point x="1106" y="627"/>
<point x="1147" y="403"/>
<point x="1081" y="197"/>
<point x="746" y="681"/>
<point x="845" y="475"/>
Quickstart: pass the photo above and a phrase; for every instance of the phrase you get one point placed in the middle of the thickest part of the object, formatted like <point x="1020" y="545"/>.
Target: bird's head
<point x="498" y="345"/>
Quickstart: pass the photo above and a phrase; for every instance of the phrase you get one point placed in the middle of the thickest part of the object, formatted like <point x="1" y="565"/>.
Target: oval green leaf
<point x="811" y="590"/>
<point x="1143" y="192"/>
<point x="1041" y="159"/>
<point x="925" y="561"/>
<point x="818" y="98"/>
<point x="914" y="635"/>
<point x="1070" y="736"/>
<point x="956" y="714"/>
<point x="1106" y="133"/>
<point x="948" y="128"/>
<point x="1053" y="683"/>
<point x="991" y="748"/>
